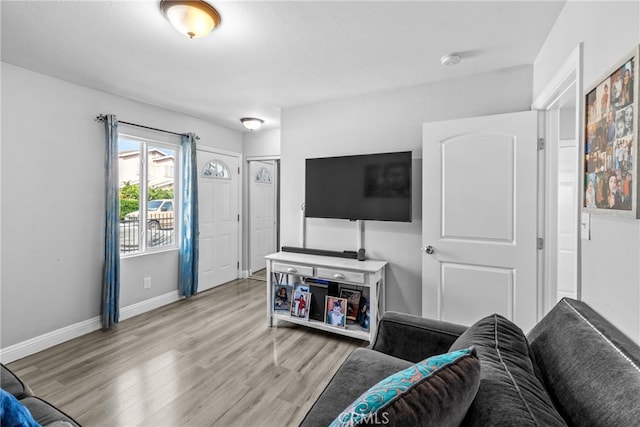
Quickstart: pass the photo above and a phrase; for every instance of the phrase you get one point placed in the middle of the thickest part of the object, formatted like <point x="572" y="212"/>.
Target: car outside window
<point x="146" y="172"/>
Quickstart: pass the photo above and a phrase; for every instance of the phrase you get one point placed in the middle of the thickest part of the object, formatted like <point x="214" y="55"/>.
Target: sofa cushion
<point x="511" y="392"/>
<point x="436" y="391"/>
<point x="44" y="412"/>
<point x="414" y="338"/>
<point x="362" y="369"/>
<point x="12" y="384"/>
<point x="591" y="369"/>
<point x="13" y="413"/>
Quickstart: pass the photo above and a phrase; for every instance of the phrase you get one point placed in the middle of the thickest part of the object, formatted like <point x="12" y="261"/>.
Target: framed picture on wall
<point x="611" y="140"/>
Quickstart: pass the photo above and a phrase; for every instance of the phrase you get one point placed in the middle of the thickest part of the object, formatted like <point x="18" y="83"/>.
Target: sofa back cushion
<point x="436" y="391"/>
<point x="511" y="391"/>
<point x="591" y="369"/>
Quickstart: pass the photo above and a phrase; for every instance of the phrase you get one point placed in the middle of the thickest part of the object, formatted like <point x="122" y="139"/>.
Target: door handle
<point x="428" y="249"/>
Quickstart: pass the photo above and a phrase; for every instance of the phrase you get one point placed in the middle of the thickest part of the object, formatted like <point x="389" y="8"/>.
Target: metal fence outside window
<point x="160" y="232"/>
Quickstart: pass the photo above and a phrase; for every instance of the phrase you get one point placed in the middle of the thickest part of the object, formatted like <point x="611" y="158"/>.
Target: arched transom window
<point x="216" y="169"/>
<point x="263" y="176"/>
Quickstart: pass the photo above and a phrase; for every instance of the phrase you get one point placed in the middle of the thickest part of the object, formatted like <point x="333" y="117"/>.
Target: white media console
<point x="288" y="268"/>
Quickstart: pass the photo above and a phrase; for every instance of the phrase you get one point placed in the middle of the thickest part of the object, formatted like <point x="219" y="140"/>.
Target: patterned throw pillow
<point x="436" y="391"/>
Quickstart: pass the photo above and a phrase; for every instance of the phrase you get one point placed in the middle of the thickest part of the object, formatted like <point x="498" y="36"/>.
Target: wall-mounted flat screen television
<point x="362" y="187"/>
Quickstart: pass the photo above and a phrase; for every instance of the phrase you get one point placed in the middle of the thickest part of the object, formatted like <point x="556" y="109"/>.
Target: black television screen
<point x="362" y="187"/>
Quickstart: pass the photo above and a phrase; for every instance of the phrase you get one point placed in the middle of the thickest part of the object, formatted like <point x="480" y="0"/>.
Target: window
<point x="216" y="169"/>
<point x="146" y="173"/>
<point x="263" y="176"/>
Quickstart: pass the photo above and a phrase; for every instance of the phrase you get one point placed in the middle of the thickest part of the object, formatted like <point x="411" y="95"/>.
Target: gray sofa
<point x="42" y="411"/>
<point x="573" y="368"/>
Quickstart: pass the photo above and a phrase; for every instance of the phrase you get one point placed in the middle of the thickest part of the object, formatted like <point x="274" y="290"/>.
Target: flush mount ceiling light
<point x="193" y="18"/>
<point x="251" y="123"/>
<point x="451" y="59"/>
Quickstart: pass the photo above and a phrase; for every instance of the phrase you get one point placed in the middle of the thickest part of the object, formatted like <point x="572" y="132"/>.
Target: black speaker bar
<point x="343" y="254"/>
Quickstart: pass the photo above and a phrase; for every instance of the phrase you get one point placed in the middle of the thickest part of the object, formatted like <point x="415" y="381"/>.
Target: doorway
<point x="461" y="231"/>
<point x="560" y="103"/>
<point x="263" y="186"/>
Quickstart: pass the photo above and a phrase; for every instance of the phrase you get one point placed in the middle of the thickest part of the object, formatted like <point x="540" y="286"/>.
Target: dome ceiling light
<point x="251" y="123"/>
<point x="451" y="59"/>
<point x="193" y="18"/>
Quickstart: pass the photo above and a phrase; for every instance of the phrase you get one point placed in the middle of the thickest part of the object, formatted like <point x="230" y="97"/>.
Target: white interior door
<point x="479" y="210"/>
<point x="219" y="218"/>
<point x="562" y="189"/>
<point x="567" y="237"/>
<point x="262" y="213"/>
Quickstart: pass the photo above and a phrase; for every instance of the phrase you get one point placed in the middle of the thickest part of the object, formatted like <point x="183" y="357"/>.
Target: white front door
<point x="218" y="212"/>
<point x="479" y="218"/>
<point x="262" y="213"/>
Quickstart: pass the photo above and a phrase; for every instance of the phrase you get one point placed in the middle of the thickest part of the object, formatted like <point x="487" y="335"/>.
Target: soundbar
<point x="343" y="254"/>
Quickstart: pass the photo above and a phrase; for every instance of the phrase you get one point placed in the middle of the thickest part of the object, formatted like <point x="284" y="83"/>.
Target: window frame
<point x="143" y="174"/>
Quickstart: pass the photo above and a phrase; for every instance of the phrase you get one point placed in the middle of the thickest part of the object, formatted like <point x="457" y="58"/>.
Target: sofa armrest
<point x="11" y="383"/>
<point x="414" y="338"/>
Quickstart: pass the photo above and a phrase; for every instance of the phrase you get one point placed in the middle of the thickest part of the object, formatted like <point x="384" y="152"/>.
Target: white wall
<point x="53" y="207"/>
<point x="261" y="143"/>
<point x="611" y="259"/>
<point x="384" y="122"/>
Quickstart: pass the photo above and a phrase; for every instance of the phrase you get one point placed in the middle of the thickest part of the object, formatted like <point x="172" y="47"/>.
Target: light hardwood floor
<point x="207" y="361"/>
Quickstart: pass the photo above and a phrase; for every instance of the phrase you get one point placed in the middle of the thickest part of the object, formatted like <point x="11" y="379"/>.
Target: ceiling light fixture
<point x="451" y="59"/>
<point x="193" y="18"/>
<point x="251" y="123"/>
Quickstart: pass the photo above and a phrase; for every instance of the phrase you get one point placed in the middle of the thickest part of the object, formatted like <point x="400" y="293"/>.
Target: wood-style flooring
<point x="207" y="361"/>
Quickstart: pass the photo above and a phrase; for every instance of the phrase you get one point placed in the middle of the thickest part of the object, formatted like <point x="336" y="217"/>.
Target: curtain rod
<point x="102" y="117"/>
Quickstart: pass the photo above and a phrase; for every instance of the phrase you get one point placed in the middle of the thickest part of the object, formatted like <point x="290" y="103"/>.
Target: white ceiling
<point x="267" y="55"/>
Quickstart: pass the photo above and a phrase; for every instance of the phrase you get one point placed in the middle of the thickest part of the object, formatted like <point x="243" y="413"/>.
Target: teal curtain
<point x="188" y="263"/>
<point x="111" y="268"/>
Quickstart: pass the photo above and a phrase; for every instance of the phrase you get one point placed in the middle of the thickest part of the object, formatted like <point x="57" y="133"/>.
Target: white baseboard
<point x="50" y="339"/>
<point x="148" y="305"/>
<point x="42" y="342"/>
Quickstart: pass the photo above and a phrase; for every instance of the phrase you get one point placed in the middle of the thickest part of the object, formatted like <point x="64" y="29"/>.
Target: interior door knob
<point x="429" y="249"/>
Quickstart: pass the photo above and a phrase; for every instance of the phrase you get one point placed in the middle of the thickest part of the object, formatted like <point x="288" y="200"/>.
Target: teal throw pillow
<point x="436" y="391"/>
<point x="13" y="413"/>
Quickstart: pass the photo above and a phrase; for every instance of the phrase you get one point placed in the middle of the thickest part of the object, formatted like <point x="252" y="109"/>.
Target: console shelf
<point x="367" y="276"/>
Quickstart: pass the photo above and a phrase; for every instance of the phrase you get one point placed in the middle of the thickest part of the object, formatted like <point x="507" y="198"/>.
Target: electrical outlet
<point x="146" y="284"/>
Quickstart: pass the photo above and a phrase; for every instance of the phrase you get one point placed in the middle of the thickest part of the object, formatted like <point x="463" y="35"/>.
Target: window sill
<point x="148" y="253"/>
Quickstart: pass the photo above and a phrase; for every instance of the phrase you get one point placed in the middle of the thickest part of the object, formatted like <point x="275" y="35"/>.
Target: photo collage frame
<point x="611" y="141"/>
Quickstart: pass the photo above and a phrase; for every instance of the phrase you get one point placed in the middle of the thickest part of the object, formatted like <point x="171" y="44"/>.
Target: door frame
<point x="239" y="237"/>
<point x="568" y="75"/>
<point x="246" y="263"/>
